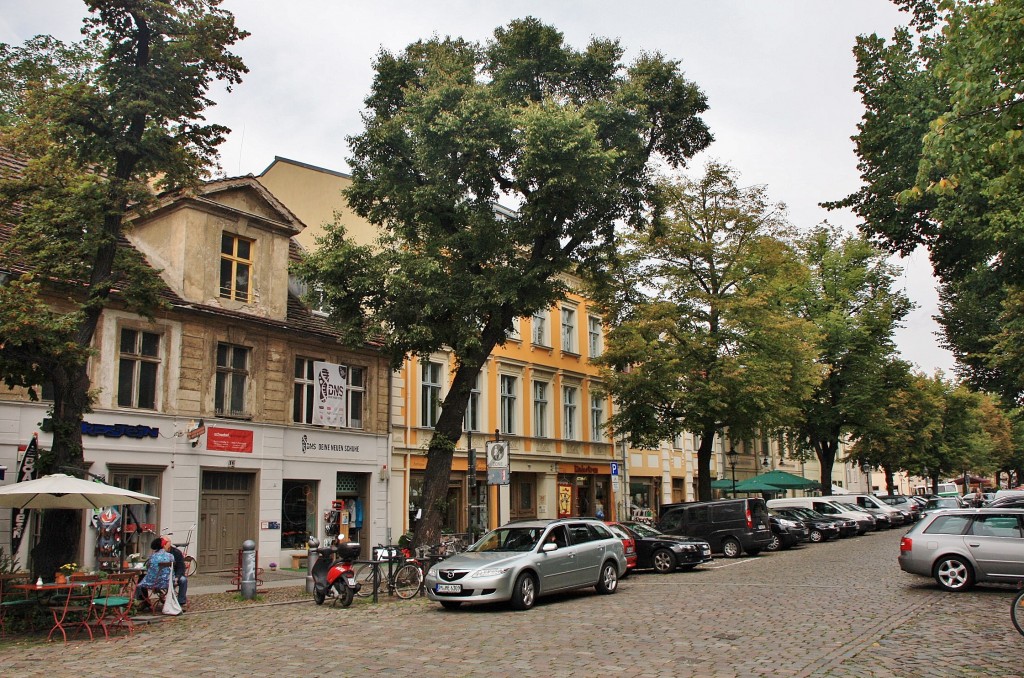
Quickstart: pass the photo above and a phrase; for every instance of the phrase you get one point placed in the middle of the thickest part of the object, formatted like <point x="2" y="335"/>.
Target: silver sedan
<point x="521" y="561"/>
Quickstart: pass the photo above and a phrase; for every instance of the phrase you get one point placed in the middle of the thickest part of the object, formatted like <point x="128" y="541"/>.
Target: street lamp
<point x="766" y="462"/>
<point x="733" y="458"/>
<point x="866" y="467"/>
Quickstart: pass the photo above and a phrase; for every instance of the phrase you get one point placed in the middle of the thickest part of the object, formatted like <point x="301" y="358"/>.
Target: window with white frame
<point x="138" y="369"/>
<point x="540" y="409"/>
<point x="508" y="403"/>
<point x="231" y="381"/>
<point x="594" y="336"/>
<point x="513" y="332"/>
<point x="569" y="329"/>
<point x="540" y="328"/>
<point x="472" y="420"/>
<point x="569" y="423"/>
<point x="430" y="392"/>
<point x="304" y="394"/>
<point x="596" y="418"/>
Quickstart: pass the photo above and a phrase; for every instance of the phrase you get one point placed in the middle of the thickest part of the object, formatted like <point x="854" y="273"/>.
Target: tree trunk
<point x="441" y="450"/>
<point x="826" y="452"/>
<point x="890" y="484"/>
<point x="707" y="446"/>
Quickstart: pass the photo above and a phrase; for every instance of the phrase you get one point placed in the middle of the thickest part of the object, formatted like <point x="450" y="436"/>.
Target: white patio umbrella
<point x="60" y="491"/>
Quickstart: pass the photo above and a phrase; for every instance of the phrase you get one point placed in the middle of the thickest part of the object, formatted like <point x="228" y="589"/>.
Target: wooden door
<point x="225" y="519"/>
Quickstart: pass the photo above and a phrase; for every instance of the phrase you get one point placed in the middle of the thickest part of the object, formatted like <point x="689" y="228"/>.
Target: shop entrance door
<point x="225" y="519"/>
<point x="522" y="487"/>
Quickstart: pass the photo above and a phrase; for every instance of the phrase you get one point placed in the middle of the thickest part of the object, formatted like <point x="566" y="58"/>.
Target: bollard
<point x="248" y="584"/>
<point x="311" y="556"/>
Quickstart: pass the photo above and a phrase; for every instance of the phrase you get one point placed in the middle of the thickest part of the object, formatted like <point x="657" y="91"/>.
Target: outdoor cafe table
<point x="67" y="602"/>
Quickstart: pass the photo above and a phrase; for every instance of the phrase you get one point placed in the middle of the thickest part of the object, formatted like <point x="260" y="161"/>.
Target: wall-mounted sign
<point x="564" y="501"/>
<point x="228" y="440"/>
<point x="119" y="430"/>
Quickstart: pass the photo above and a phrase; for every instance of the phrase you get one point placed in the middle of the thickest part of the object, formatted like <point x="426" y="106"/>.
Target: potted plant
<point x="65" y="571"/>
<point x="273" y="567"/>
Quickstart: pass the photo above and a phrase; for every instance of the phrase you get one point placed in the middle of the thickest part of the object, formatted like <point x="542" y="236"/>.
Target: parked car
<point x="904" y="503"/>
<point x="731" y="526"/>
<point x="1007" y="501"/>
<point x="827" y="506"/>
<point x="628" y="545"/>
<point x="937" y="503"/>
<point x="786" y="533"/>
<point x="873" y="505"/>
<point x="819" y="527"/>
<point x="883" y="519"/>
<point x="662" y="552"/>
<point x="961" y="547"/>
<point x="521" y="561"/>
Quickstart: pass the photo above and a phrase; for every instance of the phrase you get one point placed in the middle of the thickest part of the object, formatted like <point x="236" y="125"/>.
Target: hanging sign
<point x="329" y="401"/>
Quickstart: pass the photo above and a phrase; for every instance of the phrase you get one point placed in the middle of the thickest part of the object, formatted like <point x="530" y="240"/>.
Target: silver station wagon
<point x="960" y="547"/>
<point x="521" y="561"/>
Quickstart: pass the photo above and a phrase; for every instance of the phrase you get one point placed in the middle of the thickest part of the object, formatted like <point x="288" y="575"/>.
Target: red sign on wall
<point x="228" y="439"/>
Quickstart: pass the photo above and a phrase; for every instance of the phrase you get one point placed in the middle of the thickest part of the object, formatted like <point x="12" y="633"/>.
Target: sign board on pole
<point x="615" y="468"/>
<point x="497" y="453"/>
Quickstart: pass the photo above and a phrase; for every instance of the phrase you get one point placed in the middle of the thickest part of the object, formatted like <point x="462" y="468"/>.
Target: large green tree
<point x="98" y="125"/>
<point x="704" y="336"/>
<point x="851" y="301"/>
<point x="570" y="138"/>
<point x="941" y="146"/>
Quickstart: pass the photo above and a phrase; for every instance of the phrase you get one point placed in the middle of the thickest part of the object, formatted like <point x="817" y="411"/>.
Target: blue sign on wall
<point x="615" y="468"/>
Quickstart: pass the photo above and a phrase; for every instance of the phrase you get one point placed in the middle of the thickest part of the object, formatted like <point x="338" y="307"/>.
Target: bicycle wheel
<point x="190" y="566"/>
<point x="1017" y="612"/>
<point x="407" y="581"/>
<point x="364" y="576"/>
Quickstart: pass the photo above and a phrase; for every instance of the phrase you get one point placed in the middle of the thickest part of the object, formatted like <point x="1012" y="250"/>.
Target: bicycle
<point x="403" y="575"/>
<point x="191" y="565"/>
<point x="1017" y="609"/>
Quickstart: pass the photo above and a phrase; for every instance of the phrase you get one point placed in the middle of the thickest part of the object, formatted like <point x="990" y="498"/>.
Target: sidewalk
<point x="221" y="582"/>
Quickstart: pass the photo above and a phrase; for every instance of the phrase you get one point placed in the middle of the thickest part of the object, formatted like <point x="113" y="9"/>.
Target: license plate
<point x="448" y="588"/>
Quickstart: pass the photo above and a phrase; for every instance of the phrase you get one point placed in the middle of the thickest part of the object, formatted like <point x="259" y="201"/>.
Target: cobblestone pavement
<point x="834" y="609"/>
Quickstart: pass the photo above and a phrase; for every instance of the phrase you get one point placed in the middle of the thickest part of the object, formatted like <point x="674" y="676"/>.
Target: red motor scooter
<point x="333" y="575"/>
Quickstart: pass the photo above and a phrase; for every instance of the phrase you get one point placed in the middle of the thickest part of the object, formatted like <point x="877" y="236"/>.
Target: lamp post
<point x="733" y="456"/>
<point x="866" y="467"/>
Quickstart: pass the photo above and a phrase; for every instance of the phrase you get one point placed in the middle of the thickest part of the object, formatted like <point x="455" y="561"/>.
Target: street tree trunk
<point x="704" y="452"/>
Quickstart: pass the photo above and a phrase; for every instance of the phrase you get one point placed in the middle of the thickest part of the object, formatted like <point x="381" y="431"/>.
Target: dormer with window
<point x="226" y="245"/>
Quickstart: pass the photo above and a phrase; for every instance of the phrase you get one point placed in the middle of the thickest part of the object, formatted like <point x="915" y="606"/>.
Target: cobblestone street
<point x="835" y="609"/>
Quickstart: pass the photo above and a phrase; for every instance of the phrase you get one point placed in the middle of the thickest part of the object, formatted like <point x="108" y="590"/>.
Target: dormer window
<point x="235" y="267"/>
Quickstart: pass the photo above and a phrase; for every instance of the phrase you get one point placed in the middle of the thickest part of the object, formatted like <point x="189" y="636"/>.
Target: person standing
<point x="179" y="570"/>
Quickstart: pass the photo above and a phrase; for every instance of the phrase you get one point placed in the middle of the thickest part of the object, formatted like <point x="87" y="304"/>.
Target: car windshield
<point x="944" y="502"/>
<point x="509" y="539"/>
<point x="644" y="530"/>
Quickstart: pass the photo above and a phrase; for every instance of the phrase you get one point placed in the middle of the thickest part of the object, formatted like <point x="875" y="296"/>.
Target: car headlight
<point x="687" y="547"/>
<point x="491" y="572"/>
<point x="788" y="523"/>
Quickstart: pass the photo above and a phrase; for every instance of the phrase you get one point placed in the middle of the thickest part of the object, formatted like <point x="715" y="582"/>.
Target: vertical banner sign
<point x="27" y="471"/>
<point x="564" y="501"/>
<point x="329" y="394"/>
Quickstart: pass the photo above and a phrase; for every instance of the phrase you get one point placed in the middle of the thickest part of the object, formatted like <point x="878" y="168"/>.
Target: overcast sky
<point x="778" y="75"/>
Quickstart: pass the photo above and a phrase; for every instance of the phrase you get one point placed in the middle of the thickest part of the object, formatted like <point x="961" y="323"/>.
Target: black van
<point x="731" y="526"/>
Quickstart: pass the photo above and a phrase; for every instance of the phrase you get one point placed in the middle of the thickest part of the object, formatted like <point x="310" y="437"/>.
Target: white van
<point x="825" y="506"/>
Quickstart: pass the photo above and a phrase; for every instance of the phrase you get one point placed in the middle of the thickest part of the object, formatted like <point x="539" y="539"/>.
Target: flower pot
<point x="60" y="578"/>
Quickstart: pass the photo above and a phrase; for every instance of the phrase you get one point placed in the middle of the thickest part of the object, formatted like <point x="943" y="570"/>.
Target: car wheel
<point x="451" y="604"/>
<point x="731" y="548"/>
<point x="775" y="544"/>
<point x="524" y="593"/>
<point x="954" y="573"/>
<point x="663" y="561"/>
<point x="609" y="580"/>
<point x="817" y="537"/>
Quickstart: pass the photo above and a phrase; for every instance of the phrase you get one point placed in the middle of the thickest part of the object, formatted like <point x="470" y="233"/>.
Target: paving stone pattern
<point x="837" y="609"/>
